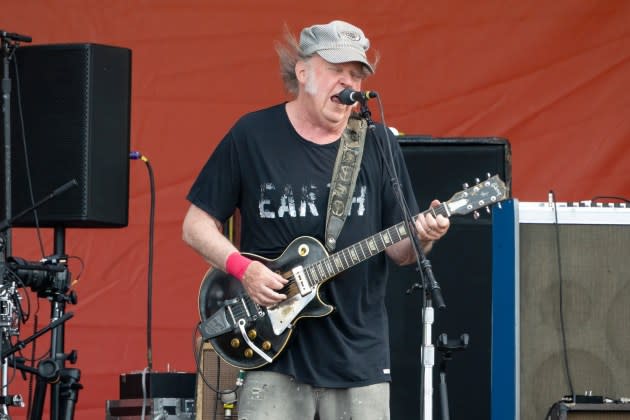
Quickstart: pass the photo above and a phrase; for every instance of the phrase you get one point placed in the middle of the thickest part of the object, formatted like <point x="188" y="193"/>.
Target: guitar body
<point x="218" y="289"/>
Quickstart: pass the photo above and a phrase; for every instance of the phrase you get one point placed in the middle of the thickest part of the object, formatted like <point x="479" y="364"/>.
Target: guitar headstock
<point x="483" y="194"/>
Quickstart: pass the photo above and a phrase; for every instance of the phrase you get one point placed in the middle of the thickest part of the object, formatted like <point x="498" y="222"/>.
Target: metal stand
<point x="8" y="328"/>
<point x="428" y="361"/>
<point x="64" y="391"/>
<point x="429" y="286"/>
<point x="8" y="44"/>
<point x="446" y="347"/>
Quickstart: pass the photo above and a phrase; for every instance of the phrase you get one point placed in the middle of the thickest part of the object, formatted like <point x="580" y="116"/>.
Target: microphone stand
<point x="8" y="44"/>
<point x="431" y="288"/>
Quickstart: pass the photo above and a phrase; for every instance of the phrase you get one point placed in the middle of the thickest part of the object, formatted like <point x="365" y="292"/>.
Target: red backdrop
<point x="552" y="77"/>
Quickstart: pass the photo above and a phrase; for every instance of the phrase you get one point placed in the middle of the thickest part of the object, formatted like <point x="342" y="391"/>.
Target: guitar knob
<point x="266" y="345"/>
<point x="248" y="353"/>
<point x="235" y="343"/>
<point x="252" y="334"/>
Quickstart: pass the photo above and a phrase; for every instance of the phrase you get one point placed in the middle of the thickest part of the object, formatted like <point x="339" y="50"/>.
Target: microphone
<point x="15" y="37"/>
<point x="349" y="96"/>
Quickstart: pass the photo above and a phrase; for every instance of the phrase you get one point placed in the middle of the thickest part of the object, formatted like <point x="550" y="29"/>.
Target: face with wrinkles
<point x="320" y="82"/>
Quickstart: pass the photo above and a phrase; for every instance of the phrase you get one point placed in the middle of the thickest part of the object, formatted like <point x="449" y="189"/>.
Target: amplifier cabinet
<point x="155" y="408"/>
<point x="564" y="311"/>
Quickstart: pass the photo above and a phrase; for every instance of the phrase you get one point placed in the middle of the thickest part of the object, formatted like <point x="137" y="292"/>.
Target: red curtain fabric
<point x="552" y="77"/>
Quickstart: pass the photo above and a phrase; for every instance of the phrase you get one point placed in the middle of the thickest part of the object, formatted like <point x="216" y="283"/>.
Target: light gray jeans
<point x="273" y="396"/>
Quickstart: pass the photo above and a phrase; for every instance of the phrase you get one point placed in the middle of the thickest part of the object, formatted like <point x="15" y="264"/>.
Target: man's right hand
<point x="262" y="284"/>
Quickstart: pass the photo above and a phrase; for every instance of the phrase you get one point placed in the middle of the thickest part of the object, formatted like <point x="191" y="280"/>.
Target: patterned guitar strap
<point x="344" y="178"/>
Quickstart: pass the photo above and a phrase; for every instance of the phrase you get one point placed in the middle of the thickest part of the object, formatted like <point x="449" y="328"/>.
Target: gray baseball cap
<point x="336" y="42"/>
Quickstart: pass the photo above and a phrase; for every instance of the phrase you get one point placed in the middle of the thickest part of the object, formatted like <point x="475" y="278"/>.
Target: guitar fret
<point x="362" y="247"/>
<point x="331" y="269"/>
<point x="338" y="262"/>
<point x="372" y="246"/>
<point x="401" y="230"/>
<point x="386" y="238"/>
<point x="307" y="274"/>
<point x="378" y="242"/>
<point x="325" y="268"/>
<point x="353" y="255"/>
<point x="344" y="254"/>
<point x="358" y="252"/>
<point x="320" y="270"/>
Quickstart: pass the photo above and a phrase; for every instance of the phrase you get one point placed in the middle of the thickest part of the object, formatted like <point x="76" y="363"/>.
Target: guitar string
<point x="327" y="267"/>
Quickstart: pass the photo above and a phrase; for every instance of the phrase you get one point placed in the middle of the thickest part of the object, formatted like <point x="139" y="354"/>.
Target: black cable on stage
<point x="135" y="156"/>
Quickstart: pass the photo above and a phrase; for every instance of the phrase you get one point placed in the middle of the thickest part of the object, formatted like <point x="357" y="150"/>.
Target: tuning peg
<point x="488" y="210"/>
<point x="488" y="175"/>
<point x="499" y="205"/>
<point x="477" y="180"/>
<point x="465" y="185"/>
<point x="475" y="214"/>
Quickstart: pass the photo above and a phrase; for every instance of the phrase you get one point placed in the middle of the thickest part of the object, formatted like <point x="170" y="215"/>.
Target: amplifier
<point x="162" y="408"/>
<point x="562" y="300"/>
<point x="609" y="411"/>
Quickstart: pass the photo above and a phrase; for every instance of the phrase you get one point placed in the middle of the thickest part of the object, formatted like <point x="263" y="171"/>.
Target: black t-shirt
<point x="280" y="183"/>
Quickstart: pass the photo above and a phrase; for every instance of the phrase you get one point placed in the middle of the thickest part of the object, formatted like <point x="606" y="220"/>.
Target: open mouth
<point x="335" y="99"/>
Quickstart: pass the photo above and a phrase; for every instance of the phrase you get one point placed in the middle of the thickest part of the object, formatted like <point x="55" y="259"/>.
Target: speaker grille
<point x="221" y="376"/>
<point x="76" y="108"/>
<point x="596" y="292"/>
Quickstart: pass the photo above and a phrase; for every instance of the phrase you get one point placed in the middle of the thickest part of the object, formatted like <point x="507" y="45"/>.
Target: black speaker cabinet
<point x="462" y="264"/>
<point x="218" y="375"/>
<point x="74" y="100"/>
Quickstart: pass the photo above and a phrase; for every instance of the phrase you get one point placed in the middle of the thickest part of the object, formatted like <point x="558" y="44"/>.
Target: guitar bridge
<point x="300" y="279"/>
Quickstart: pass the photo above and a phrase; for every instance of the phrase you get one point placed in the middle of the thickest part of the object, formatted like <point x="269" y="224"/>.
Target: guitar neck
<point x="346" y="258"/>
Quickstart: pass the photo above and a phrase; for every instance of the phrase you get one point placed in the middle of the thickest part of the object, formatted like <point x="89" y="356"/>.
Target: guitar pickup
<point x="300" y="279"/>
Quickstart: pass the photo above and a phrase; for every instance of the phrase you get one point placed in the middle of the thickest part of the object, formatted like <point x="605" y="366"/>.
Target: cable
<point x="26" y="160"/>
<point x="135" y="155"/>
<point x="565" y="353"/>
<point x="197" y="347"/>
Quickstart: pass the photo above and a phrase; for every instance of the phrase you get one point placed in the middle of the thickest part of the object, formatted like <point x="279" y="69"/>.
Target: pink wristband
<point x="236" y="264"/>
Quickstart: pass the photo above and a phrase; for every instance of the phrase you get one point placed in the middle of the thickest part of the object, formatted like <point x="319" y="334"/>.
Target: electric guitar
<point x="247" y="335"/>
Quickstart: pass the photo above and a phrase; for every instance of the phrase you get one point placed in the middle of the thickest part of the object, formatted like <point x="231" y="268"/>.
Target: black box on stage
<point x="158" y="385"/>
<point x="155" y="408"/>
<point x="607" y="411"/>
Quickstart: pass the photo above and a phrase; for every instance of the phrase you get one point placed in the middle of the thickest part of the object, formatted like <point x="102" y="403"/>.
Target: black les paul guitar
<point x="247" y="335"/>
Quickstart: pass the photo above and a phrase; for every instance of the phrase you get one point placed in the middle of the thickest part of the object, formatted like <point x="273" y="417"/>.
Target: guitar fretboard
<point x="334" y="264"/>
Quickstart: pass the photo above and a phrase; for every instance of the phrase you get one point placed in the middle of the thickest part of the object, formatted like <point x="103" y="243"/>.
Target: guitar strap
<point x="344" y="178"/>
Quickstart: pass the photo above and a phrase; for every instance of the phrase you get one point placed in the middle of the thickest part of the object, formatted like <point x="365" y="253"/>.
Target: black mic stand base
<point x="428" y="361"/>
